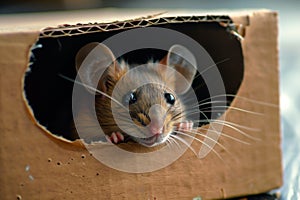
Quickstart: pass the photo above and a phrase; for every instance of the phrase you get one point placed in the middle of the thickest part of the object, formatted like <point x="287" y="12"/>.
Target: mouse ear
<point x="184" y="62"/>
<point x="93" y="61"/>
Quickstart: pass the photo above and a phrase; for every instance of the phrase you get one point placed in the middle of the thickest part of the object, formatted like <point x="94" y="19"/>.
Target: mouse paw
<point x="185" y="126"/>
<point x="115" y="137"/>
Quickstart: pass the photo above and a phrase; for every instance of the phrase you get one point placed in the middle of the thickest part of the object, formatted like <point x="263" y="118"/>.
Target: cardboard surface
<point x="37" y="166"/>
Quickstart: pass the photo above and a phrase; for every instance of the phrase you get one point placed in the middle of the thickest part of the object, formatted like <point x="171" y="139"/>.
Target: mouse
<point x="140" y="103"/>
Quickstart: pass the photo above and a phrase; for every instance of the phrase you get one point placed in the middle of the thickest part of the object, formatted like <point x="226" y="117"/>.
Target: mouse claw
<point x="115" y="137"/>
<point x="108" y="139"/>
<point x="120" y="136"/>
<point x="191" y="125"/>
<point x="185" y="126"/>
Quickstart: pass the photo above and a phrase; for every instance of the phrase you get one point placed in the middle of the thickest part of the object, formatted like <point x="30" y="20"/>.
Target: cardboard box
<point x="37" y="165"/>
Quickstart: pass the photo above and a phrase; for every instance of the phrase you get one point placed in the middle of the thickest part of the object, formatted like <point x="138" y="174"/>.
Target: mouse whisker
<point x="124" y="119"/>
<point x="94" y="89"/>
<point x="177" y="115"/>
<point x="232" y="126"/>
<point x="212" y="66"/>
<point x="136" y="130"/>
<point x="239" y="97"/>
<point x="208" y="109"/>
<point x="206" y="69"/>
<point x="222" y="98"/>
<point x="225" y="135"/>
<point x="175" y="142"/>
<point x="207" y="103"/>
<point x="193" y="131"/>
<point x="185" y="114"/>
<point x="227" y="123"/>
<point x="201" y="85"/>
<point x="211" y="139"/>
<point x="207" y="119"/>
<point x="123" y="116"/>
<point x="191" y="112"/>
<point x="202" y="142"/>
<point x="169" y="143"/>
<point x="185" y="143"/>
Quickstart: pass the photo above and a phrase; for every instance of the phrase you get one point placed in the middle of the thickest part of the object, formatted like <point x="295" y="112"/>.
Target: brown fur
<point x="148" y="95"/>
<point x="149" y="83"/>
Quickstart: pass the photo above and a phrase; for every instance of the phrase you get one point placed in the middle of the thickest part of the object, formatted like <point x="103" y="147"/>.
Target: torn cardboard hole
<point x="50" y="97"/>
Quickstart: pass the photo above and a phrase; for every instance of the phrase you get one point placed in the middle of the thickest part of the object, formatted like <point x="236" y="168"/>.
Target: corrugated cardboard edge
<point x="78" y="29"/>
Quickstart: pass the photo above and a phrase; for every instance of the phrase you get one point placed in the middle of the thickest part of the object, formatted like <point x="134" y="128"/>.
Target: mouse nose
<point x="157" y="116"/>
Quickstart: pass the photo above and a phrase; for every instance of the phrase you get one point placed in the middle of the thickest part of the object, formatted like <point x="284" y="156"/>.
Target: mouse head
<point x="150" y="91"/>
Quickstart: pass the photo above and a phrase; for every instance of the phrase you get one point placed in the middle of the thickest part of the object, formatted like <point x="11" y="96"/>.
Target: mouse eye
<point x="132" y="98"/>
<point x="170" y="98"/>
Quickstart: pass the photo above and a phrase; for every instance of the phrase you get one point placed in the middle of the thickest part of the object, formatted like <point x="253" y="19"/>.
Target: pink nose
<point x="155" y="129"/>
<point x="157" y="116"/>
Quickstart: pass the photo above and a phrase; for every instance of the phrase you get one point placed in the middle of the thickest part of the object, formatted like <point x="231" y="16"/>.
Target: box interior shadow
<point x="50" y="96"/>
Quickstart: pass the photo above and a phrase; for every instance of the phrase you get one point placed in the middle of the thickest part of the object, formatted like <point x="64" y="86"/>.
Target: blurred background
<point x="289" y="42"/>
